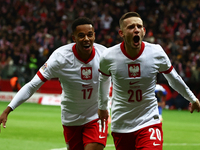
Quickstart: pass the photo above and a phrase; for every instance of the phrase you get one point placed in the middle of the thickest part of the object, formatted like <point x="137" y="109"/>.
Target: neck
<point x="84" y="55"/>
<point x="131" y="51"/>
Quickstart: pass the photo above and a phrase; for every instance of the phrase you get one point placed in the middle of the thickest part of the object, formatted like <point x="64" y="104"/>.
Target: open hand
<point x="193" y="106"/>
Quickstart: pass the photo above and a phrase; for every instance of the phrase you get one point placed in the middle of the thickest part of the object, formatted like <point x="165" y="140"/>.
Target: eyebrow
<point x="85" y="33"/>
<point x="135" y="24"/>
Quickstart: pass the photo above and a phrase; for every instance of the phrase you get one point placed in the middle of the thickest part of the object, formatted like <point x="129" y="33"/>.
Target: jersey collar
<point x="122" y="46"/>
<point x="79" y="58"/>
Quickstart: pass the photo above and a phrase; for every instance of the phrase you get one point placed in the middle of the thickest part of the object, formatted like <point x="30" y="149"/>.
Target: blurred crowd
<point x="30" y="30"/>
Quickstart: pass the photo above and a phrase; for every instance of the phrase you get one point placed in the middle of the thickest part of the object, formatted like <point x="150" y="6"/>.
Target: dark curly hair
<point x="81" y="21"/>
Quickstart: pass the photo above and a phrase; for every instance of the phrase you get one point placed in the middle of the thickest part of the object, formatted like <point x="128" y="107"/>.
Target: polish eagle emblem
<point x="86" y="73"/>
<point x="134" y="70"/>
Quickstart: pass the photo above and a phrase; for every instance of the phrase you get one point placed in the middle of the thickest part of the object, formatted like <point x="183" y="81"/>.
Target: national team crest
<point x="86" y="73"/>
<point x="134" y="70"/>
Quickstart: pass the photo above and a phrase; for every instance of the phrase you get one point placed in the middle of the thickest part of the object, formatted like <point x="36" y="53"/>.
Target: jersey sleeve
<point x="103" y="66"/>
<point x="165" y="63"/>
<point x="26" y="92"/>
<point x="104" y="85"/>
<point x="176" y="82"/>
<point x="50" y="69"/>
<point x="104" y="82"/>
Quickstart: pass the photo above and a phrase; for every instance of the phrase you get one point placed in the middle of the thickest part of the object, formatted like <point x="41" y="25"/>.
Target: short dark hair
<point x="81" y="21"/>
<point x="128" y="15"/>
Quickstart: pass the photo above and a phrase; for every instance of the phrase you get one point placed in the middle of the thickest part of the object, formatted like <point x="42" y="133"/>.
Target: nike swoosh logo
<point x="154" y="144"/>
<point x="131" y="83"/>
<point x="101" y="137"/>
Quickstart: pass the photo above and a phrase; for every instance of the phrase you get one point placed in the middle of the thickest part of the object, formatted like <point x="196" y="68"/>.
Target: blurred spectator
<point x="106" y="21"/>
<point x="33" y="65"/>
<point x="14" y="82"/>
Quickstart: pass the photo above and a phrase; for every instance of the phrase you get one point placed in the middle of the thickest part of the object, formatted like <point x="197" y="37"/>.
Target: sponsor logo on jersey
<point x="134" y="70"/>
<point x="44" y="66"/>
<point x="86" y="73"/>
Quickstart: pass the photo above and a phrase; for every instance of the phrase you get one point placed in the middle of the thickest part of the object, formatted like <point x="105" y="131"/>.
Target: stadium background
<point x="30" y="30"/>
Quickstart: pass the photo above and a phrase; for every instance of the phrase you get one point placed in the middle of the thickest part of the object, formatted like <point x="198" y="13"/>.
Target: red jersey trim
<point x="41" y="76"/>
<point x="79" y="58"/>
<point x="103" y="73"/>
<point x="167" y="71"/>
<point x="122" y="46"/>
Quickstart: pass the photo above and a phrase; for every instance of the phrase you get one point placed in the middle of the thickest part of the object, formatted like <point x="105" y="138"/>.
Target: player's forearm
<point x="176" y="82"/>
<point x="26" y="92"/>
<point x="7" y="110"/>
<point x="104" y="86"/>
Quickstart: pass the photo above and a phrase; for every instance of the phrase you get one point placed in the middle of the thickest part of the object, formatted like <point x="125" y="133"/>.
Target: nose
<point x="136" y="28"/>
<point x="86" y="37"/>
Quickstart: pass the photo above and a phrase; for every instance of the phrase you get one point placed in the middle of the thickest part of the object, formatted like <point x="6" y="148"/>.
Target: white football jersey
<point x="134" y="104"/>
<point x="79" y="81"/>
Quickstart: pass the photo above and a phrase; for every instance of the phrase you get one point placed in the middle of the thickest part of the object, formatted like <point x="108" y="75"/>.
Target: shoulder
<point x="61" y="54"/>
<point x="153" y="47"/>
<point x="117" y="46"/>
<point x="99" y="47"/>
<point x="111" y="51"/>
<point x="155" y="50"/>
<point x="65" y="48"/>
<point x="111" y="54"/>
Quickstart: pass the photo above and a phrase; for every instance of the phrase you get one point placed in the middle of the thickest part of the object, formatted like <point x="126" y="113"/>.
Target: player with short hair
<point x="133" y="66"/>
<point x="76" y="66"/>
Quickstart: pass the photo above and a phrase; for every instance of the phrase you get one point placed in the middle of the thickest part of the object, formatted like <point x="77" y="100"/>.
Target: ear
<point x="144" y="30"/>
<point x="121" y="33"/>
<point x="73" y="38"/>
<point x="94" y="35"/>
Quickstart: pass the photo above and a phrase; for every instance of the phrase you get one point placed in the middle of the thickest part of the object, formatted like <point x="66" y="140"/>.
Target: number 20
<point x="155" y="133"/>
<point x="137" y="93"/>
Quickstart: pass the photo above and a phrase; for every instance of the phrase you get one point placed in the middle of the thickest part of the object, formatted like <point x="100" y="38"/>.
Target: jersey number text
<point x="87" y="93"/>
<point x="137" y="94"/>
<point x="155" y="133"/>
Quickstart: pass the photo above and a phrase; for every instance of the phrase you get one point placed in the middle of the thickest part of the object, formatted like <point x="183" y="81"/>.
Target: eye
<point x="139" y="26"/>
<point x="131" y="27"/>
<point x="90" y="34"/>
<point x="81" y="35"/>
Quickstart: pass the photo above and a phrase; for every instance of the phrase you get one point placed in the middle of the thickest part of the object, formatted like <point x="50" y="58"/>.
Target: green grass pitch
<point x="38" y="127"/>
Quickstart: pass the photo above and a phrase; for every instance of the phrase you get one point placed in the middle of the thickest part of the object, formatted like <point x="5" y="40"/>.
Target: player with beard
<point x="133" y="66"/>
<point x="76" y="66"/>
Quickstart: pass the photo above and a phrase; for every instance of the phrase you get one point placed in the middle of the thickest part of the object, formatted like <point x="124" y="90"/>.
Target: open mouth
<point x="136" y="39"/>
<point x="86" y="46"/>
